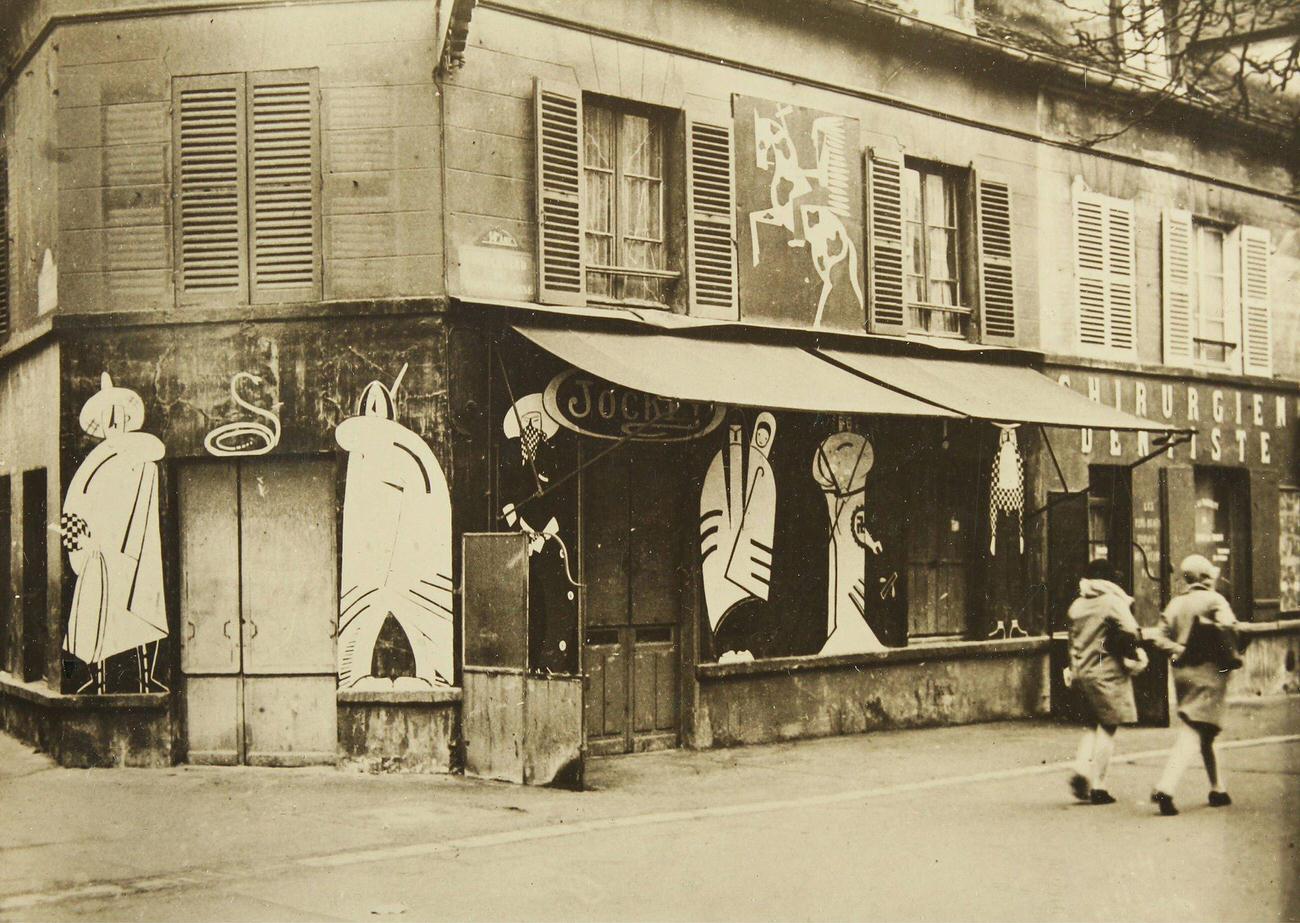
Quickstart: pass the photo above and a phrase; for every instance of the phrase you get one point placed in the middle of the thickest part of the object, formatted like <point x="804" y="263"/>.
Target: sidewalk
<point x="99" y="831"/>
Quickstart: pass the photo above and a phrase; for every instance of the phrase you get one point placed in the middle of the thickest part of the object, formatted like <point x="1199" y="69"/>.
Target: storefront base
<point x="83" y="731"/>
<point x="400" y="731"/>
<point x="1271" y="662"/>
<point x="799" y="697"/>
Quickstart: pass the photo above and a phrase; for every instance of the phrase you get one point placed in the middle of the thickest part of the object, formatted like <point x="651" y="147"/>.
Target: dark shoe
<point x="1165" y="803"/>
<point x="1219" y="800"/>
<point x="1101" y="796"/>
<point x="1079" y="786"/>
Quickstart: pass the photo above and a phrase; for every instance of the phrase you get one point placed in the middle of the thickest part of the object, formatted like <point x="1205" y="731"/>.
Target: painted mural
<point x="256" y="435"/>
<point x="840" y="468"/>
<point x="738" y="520"/>
<point x="546" y="517"/>
<point x="799" y="192"/>
<point x="395" y="608"/>
<point x="1007" y="487"/>
<point x="109" y="528"/>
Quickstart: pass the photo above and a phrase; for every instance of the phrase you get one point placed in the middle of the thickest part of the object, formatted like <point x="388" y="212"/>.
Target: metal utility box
<point x="517" y="726"/>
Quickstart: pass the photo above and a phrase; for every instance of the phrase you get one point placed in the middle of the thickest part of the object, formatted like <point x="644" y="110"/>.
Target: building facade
<point x="752" y="322"/>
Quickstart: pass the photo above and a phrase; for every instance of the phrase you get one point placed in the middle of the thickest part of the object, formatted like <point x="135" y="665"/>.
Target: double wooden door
<point x="637" y="518"/>
<point x="258" y="610"/>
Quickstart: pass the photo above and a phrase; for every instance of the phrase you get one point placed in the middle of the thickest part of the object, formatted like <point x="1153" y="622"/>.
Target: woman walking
<point x="1103" y="639"/>
<point x="1197" y="631"/>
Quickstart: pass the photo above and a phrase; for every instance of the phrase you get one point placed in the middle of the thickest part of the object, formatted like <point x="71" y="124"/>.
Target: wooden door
<point x="633" y="521"/>
<point x="259" y="593"/>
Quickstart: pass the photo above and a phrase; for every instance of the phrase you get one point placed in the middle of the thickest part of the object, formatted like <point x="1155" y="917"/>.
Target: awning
<point x="725" y="371"/>
<point x="1001" y="393"/>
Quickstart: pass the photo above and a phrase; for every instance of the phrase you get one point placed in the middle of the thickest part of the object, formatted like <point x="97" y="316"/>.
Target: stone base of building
<point x="400" y="731"/>
<point x="932" y="684"/>
<point x="1271" y="661"/>
<point x="84" y="731"/>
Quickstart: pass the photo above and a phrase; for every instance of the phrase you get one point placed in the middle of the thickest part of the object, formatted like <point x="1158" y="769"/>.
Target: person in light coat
<point x="1200" y="687"/>
<point x="1103" y="654"/>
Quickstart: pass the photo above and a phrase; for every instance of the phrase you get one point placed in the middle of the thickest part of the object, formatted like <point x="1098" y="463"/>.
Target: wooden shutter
<point x="560" y="194"/>
<point x="1104" y="261"/>
<point x="1256" y="331"/>
<point x="711" y="223"/>
<point x="210" y="192"/>
<point x="1176" y="287"/>
<point x="4" y="250"/>
<point x="284" y="186"/>
<point x="996" y="284"/>
<point x="886" y="307"/>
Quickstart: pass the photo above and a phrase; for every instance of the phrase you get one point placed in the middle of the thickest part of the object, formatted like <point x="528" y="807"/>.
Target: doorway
<point x="1223" y="531"/>
<point x="259" y="599"/>
<point x="634" y="514"/>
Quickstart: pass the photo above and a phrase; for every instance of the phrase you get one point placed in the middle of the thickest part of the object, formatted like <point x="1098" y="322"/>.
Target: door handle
<point x="252" y="625"/>
<point x="190" y="634"/>
<point x="225" y="630"/>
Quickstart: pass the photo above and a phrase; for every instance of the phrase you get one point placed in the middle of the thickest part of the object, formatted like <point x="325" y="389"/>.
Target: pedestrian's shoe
<point x="1079" y="786"/>
<point x="1165" y="803"/>
<point x="1101" y="796"/>
<point x="1219" y="800"/>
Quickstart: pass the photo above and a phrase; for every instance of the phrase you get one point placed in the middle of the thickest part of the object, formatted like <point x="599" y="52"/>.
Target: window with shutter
<point x="283" y="186"/>
<point x="885" y="241"/>
<point x="711" y="225"/>
<point x="4" y="246"/>
<point x="247" y="188"/>
<point x="559" y="195"/>
<point x="1256" y="330"/>
<point x="1176" y="286"/>
<point x="997" y="285"/>
<point x="1104" y="265"/>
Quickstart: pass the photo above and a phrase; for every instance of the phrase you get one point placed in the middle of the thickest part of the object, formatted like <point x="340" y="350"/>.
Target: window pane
<point x="944" y="293"/>
<point x="938" y="201"/>
<point x="642" y="213"/>
<point x="913" y="254"/>
<point x="1210" y="307"/>
<point x="911" y="195"/>
<point x="943" y="254"/>
<point x="1210" y="256"/>
<point x="598" y="134"/>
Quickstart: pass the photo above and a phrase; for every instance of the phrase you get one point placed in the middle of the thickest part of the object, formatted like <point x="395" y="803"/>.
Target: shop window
<point x="247" y="174"/>
<point x="35" y="575"/>
<point x="1110" y="518"/>
<point x="614" y="179"/>
<point x="1216" y="294"/>
<point x="1104" y="268"/>
<point x="932" y="250"/>
<point x="1142" y="35"/>
<point x="8" y="660"/>
<point x="1222" y="531"/>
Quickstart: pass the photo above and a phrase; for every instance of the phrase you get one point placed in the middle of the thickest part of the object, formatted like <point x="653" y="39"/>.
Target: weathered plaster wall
<point x="1271" y="662"/>
<point x="415" y="732"/>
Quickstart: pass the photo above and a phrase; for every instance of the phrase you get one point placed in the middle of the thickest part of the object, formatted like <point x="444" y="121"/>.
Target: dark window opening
<point x="35" y="575"/>
<point x="1110" y="519"/>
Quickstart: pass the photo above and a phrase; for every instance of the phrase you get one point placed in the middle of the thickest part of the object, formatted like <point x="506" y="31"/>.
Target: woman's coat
<point x="1201" y="689"/>
<point x="1102" y="607"/>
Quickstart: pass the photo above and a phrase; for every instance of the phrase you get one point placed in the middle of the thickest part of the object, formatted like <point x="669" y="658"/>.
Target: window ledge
<point x="952" y="650"/>
<point x="40" y="694"/>
<point x="442" y="695"/>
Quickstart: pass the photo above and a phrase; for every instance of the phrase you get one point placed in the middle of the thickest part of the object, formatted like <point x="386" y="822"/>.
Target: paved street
<point x="950" y="823"/>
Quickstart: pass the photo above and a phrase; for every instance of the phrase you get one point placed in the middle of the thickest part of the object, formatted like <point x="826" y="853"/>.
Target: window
<point x="247" y="196"/>
<point x="1104" y="261"/>
<point x="623" y="231"/>
<point x="1110" y="518"/>
<point x="615" y="181"/>
<point x="1142" y="36"/>
<point x="1213" y="339"/>
<point x="931" y="250"/>
<point x="35" y="575"/>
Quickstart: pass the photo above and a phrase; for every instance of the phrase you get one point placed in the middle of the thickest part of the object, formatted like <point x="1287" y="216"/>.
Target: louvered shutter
<point x="560" y="195"/>
<point x="1121" y="258"/>
<point x="284" y="186"/>
<point x="209" y="190"/>
<point x="711" y="223"/>
<point x="886" y="306"/>
<point x="996" y="284"/>
<point x="4" y="247"/>
<point x="1256" y="328"/>
<point x="1176" y="287"/>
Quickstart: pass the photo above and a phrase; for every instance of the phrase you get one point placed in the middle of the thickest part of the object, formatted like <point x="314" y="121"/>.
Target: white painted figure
<point x="245" y="437"/>
<point x="396" y="546"/>
<point x="840" y="469"/>
<point x="1007" y="487"/>
<point x="738" y="520"/>
<point x="109" y="528"/>
<point x="528" y="421"/>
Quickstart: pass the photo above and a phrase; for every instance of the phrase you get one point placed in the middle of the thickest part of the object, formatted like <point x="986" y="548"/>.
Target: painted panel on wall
<point x="1289" y="549"/>
<point x="799" y="215"/>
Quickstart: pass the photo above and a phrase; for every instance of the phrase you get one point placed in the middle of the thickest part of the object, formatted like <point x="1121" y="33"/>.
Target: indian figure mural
<point x="840" y="468"/>
<point x="1007" y="487"/>
<point x="109" y="528"/>
<point x="395" y="609"/>
<point x="738" y="520"/>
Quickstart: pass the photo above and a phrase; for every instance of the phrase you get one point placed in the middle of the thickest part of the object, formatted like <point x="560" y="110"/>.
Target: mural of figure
<point x="396" y="548"/>
<point x="737" y="521"/>
<point x="109" y="527"/>
<point x="1007" y="487"/>
<point x="552" y="589"/>
<point x="840" y="469"/>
